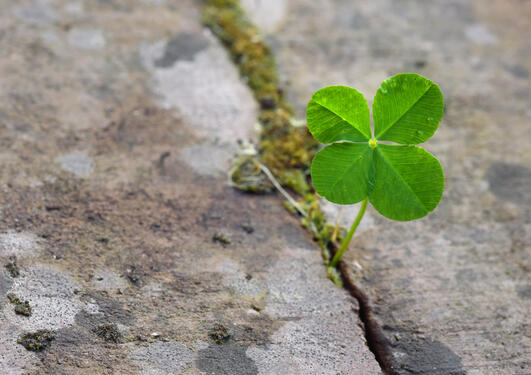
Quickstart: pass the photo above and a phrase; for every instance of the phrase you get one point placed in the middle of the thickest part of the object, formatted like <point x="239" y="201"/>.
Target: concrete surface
<point x="452" y="291"/>
<point x="118" y="120"/>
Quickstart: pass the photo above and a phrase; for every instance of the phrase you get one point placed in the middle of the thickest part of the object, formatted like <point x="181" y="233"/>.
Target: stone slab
<point x="118" y="120"/>
<point x="452" y="290"/>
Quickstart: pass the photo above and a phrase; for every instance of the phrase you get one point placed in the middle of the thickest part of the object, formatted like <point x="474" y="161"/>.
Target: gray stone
<point x="153" y="2"/>
<point x="450" y="289"/>
<point x="182" y="47"/>
<point x="266" y="14"/>
<point x="480" y="34"/>
<point x="75" y="8"/>
<point x="52" y="299"/>
<point x="108" y="280"/>
<point x="205" y="91"/>
<point x="225" y="359"/>
<point x="18" y="244"/>
<point x="162" y="358"/>
<point x="14" y="359"/>
<point x="89" y="39"/>
<point x="312" y="319"/>
<point x="77" y="163"/>
<point x="346" y="214"/>
<point x="510" y="182"/>
<point x="38" y="13"/>
<point x="208" y="159"/>
<point x="148" y="115"/>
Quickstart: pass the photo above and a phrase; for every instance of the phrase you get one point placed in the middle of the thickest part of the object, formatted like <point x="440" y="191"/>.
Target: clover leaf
<point x="401" y="180"/>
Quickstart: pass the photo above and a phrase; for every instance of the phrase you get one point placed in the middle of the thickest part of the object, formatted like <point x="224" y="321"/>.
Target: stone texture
<point x="268" y="15"/>
<point x="118" y="120"/>
<point x="451" y="290"/>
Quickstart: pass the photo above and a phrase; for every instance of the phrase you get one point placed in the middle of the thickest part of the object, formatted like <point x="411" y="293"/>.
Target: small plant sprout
<point x="401" y="180"/>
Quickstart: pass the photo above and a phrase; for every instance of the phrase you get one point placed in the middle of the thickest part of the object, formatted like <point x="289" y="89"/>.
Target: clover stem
<point x="350" y="233"/>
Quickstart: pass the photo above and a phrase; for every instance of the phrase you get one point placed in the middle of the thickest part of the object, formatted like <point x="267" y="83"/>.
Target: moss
<point x="315" y="221"/>
<point x="220" y="334"/>
<point x="37" y="341"/>
<point x="21" y="307"/>
<point x="290" y="207"/>
<point x="228" y="22"/>
<point x="108" y="332"/>
<point x="334" y="275"/>
<point x="247" y="176"/>
<point x="287" y="150"/>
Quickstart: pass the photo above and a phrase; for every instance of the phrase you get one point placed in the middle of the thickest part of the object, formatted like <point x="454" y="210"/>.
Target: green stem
<point x="347" y="239"/>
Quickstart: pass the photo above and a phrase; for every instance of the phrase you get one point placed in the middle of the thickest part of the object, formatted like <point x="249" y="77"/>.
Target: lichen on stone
<point x="37" y="341"/>
<point x="219" y="333"/>
<point x="21" y="307"/>
<point x="108" y="332"/>
<point x="221" y="238"/>
<point x="12" y="268"/>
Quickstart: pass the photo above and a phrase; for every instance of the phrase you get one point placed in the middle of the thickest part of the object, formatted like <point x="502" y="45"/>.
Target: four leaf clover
<point x="401" y="180"/>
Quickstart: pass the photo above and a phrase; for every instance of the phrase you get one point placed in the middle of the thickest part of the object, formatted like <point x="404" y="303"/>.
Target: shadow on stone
<point x="226" y="360"/>
<point x="424" y="356"/>
<point x="181" y="47"/>
<point x="510" y="182"/>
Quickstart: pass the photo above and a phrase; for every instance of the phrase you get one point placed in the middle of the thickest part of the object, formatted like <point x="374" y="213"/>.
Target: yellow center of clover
<point x="372" y="142"/>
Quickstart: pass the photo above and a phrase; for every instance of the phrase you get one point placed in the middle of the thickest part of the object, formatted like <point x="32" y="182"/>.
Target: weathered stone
<point x="89" y="39"/>
<point x="77" y="163"/>
<point x="117" y="133"/>
<point x="450" y="290"/>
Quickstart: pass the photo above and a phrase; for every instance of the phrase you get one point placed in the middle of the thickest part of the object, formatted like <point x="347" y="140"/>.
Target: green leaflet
<point x="408" y="182"/>
<point x="338" y="113"/>
<point x="407" y="109"/>
<point x="402" y="182"/>
<point x="340" y="172"/>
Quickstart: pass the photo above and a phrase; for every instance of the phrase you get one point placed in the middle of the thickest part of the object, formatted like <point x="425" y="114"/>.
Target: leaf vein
<point x="341" y="117"/>
<point x="382" y="133"/>
<point x="404" y="181"/>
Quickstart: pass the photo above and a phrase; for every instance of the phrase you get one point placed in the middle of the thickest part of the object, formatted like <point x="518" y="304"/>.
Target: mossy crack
<point x="287" y="150"/>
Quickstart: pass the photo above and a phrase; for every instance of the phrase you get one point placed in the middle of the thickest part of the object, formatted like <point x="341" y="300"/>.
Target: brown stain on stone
<point x="145" y="222"/>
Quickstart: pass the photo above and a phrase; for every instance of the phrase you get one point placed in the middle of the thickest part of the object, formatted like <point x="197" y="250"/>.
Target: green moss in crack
<point x="287" y="150"/>
<point x="256" y="64"/>
<point x="247" y="176"/>
<point x="37" y="341"/>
